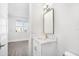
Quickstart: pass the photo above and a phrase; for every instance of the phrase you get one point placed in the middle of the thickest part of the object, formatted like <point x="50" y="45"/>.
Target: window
<point x="22" y="25"/>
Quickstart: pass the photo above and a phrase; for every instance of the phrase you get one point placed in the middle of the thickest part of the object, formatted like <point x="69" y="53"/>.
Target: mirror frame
<point x="48" y="10"/>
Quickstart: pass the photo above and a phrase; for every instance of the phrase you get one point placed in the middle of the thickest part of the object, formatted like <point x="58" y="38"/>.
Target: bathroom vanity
<point x="44" y="47"/>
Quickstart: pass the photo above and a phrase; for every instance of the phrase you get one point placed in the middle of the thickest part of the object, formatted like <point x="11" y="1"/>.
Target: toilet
<point x="67" y="53"/>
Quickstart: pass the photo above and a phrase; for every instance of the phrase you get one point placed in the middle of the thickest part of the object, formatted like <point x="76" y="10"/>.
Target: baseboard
<point x="17" y="40"/>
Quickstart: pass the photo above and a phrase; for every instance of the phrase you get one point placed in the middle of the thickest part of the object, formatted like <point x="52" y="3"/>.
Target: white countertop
<point x="43" y="41"/>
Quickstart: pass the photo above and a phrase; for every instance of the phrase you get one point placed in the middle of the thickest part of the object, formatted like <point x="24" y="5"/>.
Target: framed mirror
<point x="48" y="21"/>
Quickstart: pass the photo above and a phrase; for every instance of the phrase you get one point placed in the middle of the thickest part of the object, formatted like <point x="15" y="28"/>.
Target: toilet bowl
<point x="67" y="53"/>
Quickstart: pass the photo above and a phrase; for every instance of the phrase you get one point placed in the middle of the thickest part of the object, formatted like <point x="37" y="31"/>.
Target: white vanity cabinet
<point x="44" y="47"/>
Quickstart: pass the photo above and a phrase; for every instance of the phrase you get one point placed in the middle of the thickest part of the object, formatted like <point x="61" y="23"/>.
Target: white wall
<point x="36" y="21"/>
<point x="67" y="27"/>
<point x="3" y="29"/>
<point x="17" y="11"/>
<point x="37" y="17"/>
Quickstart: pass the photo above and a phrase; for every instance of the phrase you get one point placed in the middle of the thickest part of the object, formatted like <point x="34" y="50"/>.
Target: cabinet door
<point x="36" y="48"/>
<point x="49" y="49"/>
